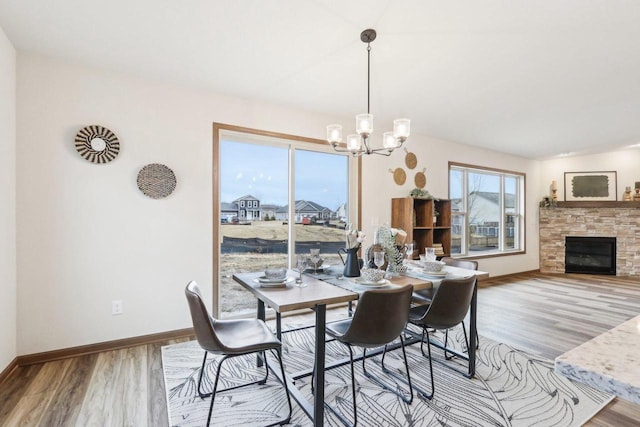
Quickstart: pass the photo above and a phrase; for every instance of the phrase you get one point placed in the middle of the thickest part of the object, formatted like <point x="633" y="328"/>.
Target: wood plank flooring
<point x="540" y="313"/>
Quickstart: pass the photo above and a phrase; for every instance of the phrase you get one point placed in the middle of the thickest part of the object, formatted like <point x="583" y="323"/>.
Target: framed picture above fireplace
<point x="590" y="186"/>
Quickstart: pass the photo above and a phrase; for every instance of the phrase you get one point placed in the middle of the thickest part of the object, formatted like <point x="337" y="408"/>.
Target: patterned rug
<point x="511" y="388"/>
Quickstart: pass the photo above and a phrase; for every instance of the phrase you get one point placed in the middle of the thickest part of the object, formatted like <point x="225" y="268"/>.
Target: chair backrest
<point x="450" y="303"/>
<point x="380" y="316"/>
<point x="203" y="323"/>
<point x="461" y="263"/>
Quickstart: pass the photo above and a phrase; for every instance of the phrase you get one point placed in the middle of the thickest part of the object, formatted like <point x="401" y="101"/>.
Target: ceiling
<point x="533" y="78"/>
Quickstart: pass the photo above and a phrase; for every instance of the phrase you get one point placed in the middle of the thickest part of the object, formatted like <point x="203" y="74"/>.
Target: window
<point x="487" y="209"/>
<point x="296" y="178"/>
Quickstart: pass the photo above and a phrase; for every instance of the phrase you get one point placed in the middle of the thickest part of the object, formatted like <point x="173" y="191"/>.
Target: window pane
<point x="484" y="211"/>
<point x="253" y="191"/>
<point x="458" y="233"/>
<point x="321" y="194"/>
<point x="510" y="209"/>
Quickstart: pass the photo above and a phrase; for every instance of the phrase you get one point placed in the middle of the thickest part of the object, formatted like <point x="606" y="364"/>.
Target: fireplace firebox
<point x="590" y="255"/>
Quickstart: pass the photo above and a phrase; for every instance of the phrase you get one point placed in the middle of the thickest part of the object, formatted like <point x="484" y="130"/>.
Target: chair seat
<point x="423" y="296"/>
<point x="337" y="329"/>
<point x="245" y="335"/>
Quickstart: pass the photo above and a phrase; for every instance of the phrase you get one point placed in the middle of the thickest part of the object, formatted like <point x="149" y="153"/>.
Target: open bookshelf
<point x="416" y="217"/>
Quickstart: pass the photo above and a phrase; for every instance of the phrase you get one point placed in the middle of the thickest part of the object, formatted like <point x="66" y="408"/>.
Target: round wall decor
<point x="156" y="180"/>
<point x="97" y="144"/>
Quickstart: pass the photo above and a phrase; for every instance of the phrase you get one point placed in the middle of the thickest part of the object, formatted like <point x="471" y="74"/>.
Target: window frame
<point x="296" y="142"/>
<point x="519" y="216"/>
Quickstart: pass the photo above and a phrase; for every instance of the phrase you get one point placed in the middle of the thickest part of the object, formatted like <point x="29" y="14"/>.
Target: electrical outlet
<point x="116" y="307"/>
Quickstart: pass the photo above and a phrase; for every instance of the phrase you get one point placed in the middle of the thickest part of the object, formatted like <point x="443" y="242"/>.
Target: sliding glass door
<point x="274" y="197"/>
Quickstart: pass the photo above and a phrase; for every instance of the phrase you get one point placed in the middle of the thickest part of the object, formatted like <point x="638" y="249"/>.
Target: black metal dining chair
<point x="424" y="296"/>
<point x="231" y="338"/>
<point x="380" y="317"/>
<point x="447" y="309"/>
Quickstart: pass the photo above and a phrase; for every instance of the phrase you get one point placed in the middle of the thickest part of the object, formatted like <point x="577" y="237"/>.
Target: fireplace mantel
<point x="598" y="219"/>
<point x="598" y="204"/>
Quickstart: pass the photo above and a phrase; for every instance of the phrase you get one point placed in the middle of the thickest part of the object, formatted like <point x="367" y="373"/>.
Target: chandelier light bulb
<point x="389" y="141"/>
<point x="334" y="134"/>
<point x="364" y="124"/>
<point x="401" y="128"/>
<point x="353" y="143"/>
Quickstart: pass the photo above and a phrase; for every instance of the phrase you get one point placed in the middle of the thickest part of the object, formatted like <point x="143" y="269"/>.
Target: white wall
<point x="87" y="236"/>
<point x="434" y="155"/>
<point x="7" y="201"/>
<point x="624" y="162"/>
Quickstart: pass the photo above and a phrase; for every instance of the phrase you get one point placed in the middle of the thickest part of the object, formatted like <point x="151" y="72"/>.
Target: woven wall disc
<point x="156" y="180"/>
<point x="420" y="179"/>
<point x="399" y="175"/>
<point x="410" y="159"/>
<point x="97" y="144"/>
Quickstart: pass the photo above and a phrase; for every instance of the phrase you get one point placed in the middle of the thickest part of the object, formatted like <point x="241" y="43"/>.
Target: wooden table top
<point x="291" y="297"/>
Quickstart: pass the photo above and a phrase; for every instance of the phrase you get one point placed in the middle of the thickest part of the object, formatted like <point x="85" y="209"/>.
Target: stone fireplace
<point x="619" y="220"/>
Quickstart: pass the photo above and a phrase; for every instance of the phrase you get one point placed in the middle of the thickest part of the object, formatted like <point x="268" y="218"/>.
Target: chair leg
<point x="286" y="389"/>
<point x="477" y="336"/>
<point x="215" y="386"/>
<point x="262" y="381"/>
<point x="424" y="394"/>
<point x="200" y="393"/>
<point x="394" y="375"/>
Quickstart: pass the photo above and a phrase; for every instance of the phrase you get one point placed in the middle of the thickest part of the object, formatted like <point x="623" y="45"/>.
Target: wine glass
<point x="408" y="254"/>
<point x="301" y="263"/>
<point x="315" y="259"/>
<point x="378" y="259"/>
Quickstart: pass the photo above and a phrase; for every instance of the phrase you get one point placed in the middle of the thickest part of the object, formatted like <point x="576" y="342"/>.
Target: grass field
<point x="233" y="298"/>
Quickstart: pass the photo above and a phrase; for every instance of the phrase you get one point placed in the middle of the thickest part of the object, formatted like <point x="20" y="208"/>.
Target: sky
<point x="262" y="171"/>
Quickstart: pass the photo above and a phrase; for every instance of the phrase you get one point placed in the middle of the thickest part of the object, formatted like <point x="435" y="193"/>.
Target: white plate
<point x="263" y="279"/>
<point x="435" y="273"/>
<point x="281" y="283"/>
<point x="361" y="281"/>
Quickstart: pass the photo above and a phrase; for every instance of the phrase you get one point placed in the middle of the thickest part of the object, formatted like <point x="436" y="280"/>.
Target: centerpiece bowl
<point x="372" y="274"/>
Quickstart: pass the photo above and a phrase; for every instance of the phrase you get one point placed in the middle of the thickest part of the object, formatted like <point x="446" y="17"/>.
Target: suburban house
<point x="249" y="208"/>
<point x="95" y="255"/>
<point x="305" y="209"/>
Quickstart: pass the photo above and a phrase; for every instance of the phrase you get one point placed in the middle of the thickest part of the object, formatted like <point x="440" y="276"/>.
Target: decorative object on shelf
<point x="399" y="176"/>
<point x="358" y="143"/>
<point x="627" y="194"/>
<point x="156" y="180"/>
<point x="419" y="193"/>
<point x="410" y="159"/>
<point x="590" y="186"/>
<point x="554" y="190"/>
<point x="420" y="179"/>
<point x="97" y="144"/>
<point x="636" y="197"/>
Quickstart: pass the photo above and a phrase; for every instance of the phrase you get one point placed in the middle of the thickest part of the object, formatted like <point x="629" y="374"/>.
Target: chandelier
<point x="358" y="143"/>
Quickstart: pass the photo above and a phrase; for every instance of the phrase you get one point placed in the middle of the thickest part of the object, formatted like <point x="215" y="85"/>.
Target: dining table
<point x="328" y="287"/>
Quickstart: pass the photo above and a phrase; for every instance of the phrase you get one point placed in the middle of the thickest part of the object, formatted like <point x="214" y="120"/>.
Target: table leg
<point x="473" y="331"/>
<point x="318" y="386"/>
<point x="260" y="315"/>
<point x="279" y="326"/>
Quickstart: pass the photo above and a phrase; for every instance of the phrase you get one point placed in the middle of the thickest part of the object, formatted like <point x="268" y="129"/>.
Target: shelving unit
<point x="415" y="216"/>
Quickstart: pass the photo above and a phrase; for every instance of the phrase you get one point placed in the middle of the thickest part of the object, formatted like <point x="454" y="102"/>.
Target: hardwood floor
<point x="540" y="313"/>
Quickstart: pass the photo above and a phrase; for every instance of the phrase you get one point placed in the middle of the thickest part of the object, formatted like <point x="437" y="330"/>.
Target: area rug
<point x="511" y="388"/>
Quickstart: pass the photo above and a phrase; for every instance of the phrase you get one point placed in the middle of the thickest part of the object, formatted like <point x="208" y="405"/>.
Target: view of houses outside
<point x="254" y="212"/>
<point x="483" y="211"/>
